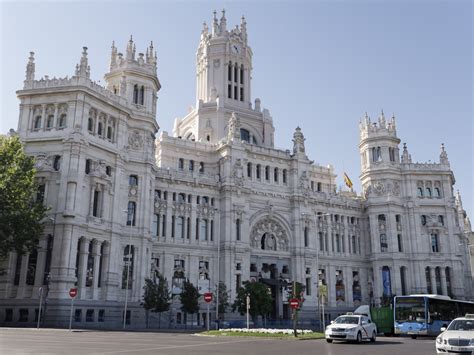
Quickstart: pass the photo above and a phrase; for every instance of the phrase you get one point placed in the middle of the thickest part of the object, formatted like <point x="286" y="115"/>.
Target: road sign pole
<point x="40" y="291"/>
<point x="207" y="318"/>
<point x="247" y="299"/>
<point x="70" y="315"/>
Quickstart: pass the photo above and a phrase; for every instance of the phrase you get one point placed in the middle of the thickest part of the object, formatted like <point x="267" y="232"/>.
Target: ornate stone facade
<point x="216" y="200"/>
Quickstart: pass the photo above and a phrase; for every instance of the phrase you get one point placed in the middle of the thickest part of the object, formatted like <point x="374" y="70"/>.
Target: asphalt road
<point x="49" y="341"/>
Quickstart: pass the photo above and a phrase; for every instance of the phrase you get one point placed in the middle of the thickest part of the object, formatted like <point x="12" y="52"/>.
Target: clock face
<point x="235" y="48"/>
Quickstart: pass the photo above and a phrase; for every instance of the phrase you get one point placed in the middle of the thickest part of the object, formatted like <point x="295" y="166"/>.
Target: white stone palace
<point x="215" y="200"/>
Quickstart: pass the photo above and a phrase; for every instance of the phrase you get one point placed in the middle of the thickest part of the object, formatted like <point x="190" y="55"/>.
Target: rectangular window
<point x="238" y="281"/>
<point x="78" y="315"/>
<point x="197" y="228"/>
<point x="434" y="243"/>
<point x="90" y="315"/>
<point x="23" y="315"/>
<point x="180" y="227"/>
<point x="172" y="226"/>
<point x="155" y="224"/>
<point x="321" y="241"/>
<point x="204" y="227"/>
<point x="212" y="230"/>
<point x="237" y="229"/>
<point x="9" y="315"/>
<point x="235" y="92"/>
<point x="241" y="94"/>
<point x="95" y="206"/>
<point x="400" y="245"/>
<point x="188" y="228"/>
<point x="101" y="317"/>
<point x="229" y="91"/>
<point x="163" y="227"/>
<point x="308" y="286"/>
<point x="40" y="193"/>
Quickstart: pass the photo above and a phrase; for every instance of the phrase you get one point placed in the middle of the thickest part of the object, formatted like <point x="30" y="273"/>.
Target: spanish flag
<point x="347" y="181"/>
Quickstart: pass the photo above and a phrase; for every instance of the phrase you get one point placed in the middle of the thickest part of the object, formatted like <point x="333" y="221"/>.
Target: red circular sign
<point x="73" y="292"/>
<point x="294" y="303"/>
<point x="208" y="297"/>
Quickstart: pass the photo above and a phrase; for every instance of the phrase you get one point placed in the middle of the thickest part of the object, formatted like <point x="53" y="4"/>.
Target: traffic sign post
<point x="247" y="299"/>
<point x="72" y="294"/>
<point x="40" y="292"/>
<point x="294" y="303"/>
<point x="208" y="300"/>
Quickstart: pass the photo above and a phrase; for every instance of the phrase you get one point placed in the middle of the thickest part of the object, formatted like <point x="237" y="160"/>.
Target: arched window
<point x="100" y="128"/>
<point x="386" y="281"/>
<point x="383" y="243"/>
<point x="90" y="124"/>
<point x="245" y="135"/>
<point x="306" y="236"/>
<point x="419" y="192"/>
<point x="57" y="162"/>
<point x="142" y="95"/>
<point x="257" y="172"/>
<point x="191" y="165"/>
<point x="229" y="72"/>
<point x="423" y="220"/>
<point x="62" y="121"/>
<point x="354" y="245"/>
<point x="88" y="166"/>
<point x="109" y="132"/>
<point x="439" y="291"/>
<point x="448" y="281"/>
<point x="131" y="213"/>
<point x="128" y="263"/>
<point x="284" y="176"/>
<point x="37" y="124"/>
<point x="428" y="192"/>
<point x="437" y="192"/>
<point x="49" y="121"/>
<point x="242" y="74"/>
<point x="201" y="167"/>
<point x="135" y="94"/>
<point x="434" y="243"/>
<point x="267" y="173"/>
<point x="275" y="175"/>
<point x="133" y="180"/>
<point x="236" y="69"/>
<point x="429" y="286"/>
<point x="249" y="170"/>
<point x="319" y="187"/>
<point x="441" y="220"/>
<point x="181" y="198"/>
<point x="237" y="229"/>
<point x="180" y="163"/>
<point x="403" y="282"/>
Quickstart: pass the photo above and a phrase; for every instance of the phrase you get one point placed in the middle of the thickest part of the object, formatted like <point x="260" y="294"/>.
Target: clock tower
<point x="224" y="63"/>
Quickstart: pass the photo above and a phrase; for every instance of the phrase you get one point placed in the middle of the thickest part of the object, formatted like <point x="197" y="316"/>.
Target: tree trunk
<point x="147" y="312"/>
<point x="185" y="320"/>
<point x="159" y="320"/>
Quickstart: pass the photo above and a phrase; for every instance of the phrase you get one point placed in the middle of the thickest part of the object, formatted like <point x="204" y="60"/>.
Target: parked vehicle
<point x="351" y="327"/>
<point x="458" y="337"/>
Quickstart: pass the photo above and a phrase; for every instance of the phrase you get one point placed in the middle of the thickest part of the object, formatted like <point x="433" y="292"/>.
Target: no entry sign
<point x="208" y="297"/>
<point x="73" y="292"/>
<point x="294" y="303"/>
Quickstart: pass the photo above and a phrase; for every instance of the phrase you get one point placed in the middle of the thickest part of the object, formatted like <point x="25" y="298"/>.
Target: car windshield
<point x="347" y="320"/>
<point x="461" y="324"/>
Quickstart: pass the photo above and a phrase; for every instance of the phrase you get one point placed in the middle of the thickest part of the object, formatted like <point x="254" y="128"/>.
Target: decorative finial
<point x="443" y="156"/>
<point x="30" y="67"/>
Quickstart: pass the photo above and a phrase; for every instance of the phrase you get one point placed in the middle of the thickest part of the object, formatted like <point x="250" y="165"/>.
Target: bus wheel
<point x="413" y="336"/>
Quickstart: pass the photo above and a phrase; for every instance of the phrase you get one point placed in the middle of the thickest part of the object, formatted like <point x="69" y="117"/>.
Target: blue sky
<point x="318" y="64"/>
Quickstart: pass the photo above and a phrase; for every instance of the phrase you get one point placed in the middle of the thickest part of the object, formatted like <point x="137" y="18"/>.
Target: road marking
<point x="183" y="346"/>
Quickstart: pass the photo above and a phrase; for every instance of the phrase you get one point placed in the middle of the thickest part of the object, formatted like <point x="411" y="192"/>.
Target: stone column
<point x="23" y="272"/>
<point x="331" y="285"/>
<point x="96" y="255"/>
<point x="433" y="280"/>
<point x="82" y="270"/>
<point x="105" y="267"/>
<point x="348" y="289"/>
<point x="40" y="265"/>
<point x="444" y="287"/>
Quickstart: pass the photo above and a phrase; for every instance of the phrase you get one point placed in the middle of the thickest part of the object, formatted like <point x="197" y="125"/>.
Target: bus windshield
<point x="410" y="309"/>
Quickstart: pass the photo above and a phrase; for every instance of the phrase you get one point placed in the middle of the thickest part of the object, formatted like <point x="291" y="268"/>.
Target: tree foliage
<point x="223" y="297"/>
<point x="156" y="296"/>
<point x="260" y="299"/>
<point x="189" y="298"/>
<point x="20" y="214"/>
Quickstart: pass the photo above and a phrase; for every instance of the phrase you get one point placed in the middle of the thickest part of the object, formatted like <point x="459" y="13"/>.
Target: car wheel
<point x="374" y="336"/>
<point x="329" y="340"/>
<point x="359" y="338"/>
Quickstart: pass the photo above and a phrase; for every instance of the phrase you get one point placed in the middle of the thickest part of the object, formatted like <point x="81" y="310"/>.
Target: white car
<point x="352" y="328"/>
<point x="458" y="338"/>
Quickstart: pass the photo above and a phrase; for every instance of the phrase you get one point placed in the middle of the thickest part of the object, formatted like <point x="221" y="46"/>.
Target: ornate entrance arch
<point x="269" y="234"/>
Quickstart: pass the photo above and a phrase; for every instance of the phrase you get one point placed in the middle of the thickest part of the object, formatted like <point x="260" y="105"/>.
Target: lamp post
<point x="131" y="219"/>
<point x="320" y="297"/>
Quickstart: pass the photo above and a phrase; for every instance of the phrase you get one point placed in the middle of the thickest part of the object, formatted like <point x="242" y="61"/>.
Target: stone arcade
<point x="215" y="200"/>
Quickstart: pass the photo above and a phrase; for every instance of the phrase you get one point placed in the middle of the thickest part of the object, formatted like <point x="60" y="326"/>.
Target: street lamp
<point x="321" y="318"/>
<point x="131" y="219"/>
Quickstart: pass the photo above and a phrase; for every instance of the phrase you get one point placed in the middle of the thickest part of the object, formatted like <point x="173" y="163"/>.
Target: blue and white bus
<point x="425" y="314"/>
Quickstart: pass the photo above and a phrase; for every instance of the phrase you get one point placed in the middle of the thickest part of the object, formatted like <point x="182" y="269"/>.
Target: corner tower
<point x="135" y="79"/>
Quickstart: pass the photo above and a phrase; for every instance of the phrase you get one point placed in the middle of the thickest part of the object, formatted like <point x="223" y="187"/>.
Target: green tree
<point x="156" y="296"/>
<point x="223" y="298"/>
<point x="260" y="300"/>
<point x="189" y="298"/>
<point x="20" y="213"/>
<point x="298" y="292"/>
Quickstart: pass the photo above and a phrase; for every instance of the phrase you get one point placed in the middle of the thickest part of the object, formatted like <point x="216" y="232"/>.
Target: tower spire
<point x="113" y="55"/>
<point x="243" y="28"/>
<point x="83" y="68"/>
<point x="30" y="67"/>
<point x="223" y="23"/>
<point x="215" y="25"/>
<point x="443" y="156"/>
<point x="130" y="49"/>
